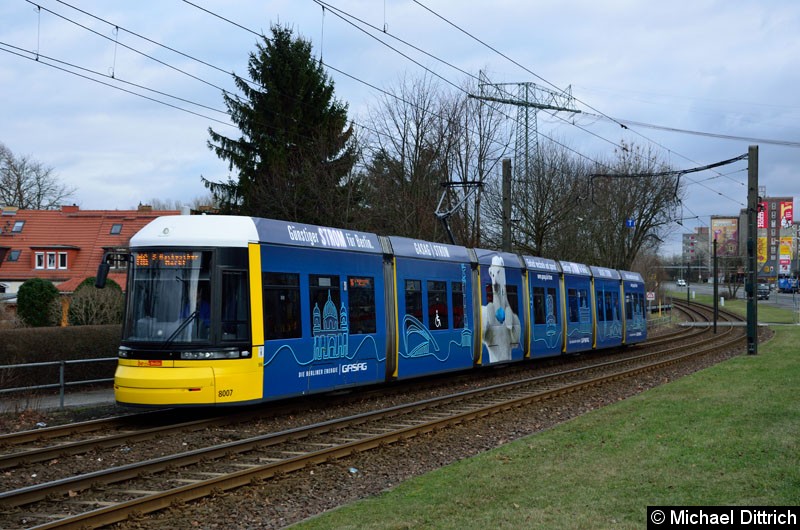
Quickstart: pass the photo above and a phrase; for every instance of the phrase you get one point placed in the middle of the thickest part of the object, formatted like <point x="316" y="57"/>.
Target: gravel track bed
<point x="59" y="468"/>
<point x="297" y="496"/>
<point x="281" y="502"/>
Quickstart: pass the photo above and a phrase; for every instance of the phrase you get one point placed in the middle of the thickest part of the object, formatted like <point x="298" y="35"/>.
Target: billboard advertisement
<point x="726" y="231"/>
<point x="762" y="251"/>
<point x="761" y="218"/>
<point x="787" y="217"/>
<point x="785" y="255"/>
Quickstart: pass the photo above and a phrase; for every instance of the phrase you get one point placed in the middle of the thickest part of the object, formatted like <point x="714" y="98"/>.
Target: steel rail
<point x="165" y="499"/>
<point x="41" y="454"/>
<point x="154" y="502"/>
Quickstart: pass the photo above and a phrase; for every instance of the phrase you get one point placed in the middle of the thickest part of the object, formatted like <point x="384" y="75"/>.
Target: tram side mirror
<point x="105" y="266"/>
<point x="102" y="274"/>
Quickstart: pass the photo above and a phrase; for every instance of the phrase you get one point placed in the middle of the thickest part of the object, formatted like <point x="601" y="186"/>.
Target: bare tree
<point x="547" y="202"/>
<point x="408" y="142"/>
<point x="423" y="141"/>
<point x="631" y="206"/>
<point x="91" y="306"/>
<point x="198" y="203"/>
<point x="480" y="140"/>
<point x="29" y="184"/>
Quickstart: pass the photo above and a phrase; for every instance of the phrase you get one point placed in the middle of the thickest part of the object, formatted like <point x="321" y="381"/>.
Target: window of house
<point x="51" y="260"/>
<point x="14" y="255"/>
<point x="116" y="229"/>
<point x="40" y="260"/>
<point x="18" y="226"/>
<point x="62" y="260"/>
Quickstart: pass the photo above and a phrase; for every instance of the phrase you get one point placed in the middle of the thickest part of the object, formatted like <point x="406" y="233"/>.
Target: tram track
<point x="30" y="447"/>
<point x="259" y="458"/>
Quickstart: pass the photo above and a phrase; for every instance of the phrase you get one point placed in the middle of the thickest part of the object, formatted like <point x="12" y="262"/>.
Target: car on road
<point x="681" y="282"/>
<point x="763" y="291"/>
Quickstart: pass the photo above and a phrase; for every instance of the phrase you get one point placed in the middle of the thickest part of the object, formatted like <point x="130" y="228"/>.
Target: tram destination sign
<point x="175" y="260"/>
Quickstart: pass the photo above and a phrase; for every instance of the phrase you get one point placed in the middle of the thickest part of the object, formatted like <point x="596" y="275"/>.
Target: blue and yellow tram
<point x="235" y="310"/>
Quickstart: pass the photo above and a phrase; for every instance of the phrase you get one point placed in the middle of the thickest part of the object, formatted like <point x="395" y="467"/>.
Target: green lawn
<point x="768" y="312"/>
<point x="727" y="435"/>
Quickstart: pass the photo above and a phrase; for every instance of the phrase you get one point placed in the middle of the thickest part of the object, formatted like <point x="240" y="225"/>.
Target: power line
<point x="134" y="50"/>
<point x="785" y="143"/>
<point x="537" y="76"/>
<point x="37" y="59"/>
<point x="341" y="14"/>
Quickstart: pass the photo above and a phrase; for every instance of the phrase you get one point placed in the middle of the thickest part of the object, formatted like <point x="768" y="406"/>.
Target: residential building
<point x="64" y="246"/>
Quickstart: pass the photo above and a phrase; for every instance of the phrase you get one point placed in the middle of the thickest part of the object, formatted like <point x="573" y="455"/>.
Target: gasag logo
<point x="354" y="367"/>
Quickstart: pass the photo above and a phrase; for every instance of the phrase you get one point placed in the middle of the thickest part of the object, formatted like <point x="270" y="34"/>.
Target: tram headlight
<point x="209" y="355"/>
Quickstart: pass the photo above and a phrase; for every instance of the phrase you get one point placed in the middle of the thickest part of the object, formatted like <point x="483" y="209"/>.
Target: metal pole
<point x="688" y="274"/>
<point x="752" y="261"/>
<point x="507" y="205"/>
<point x="61" y="368"/>
<point x="716" y="287"/>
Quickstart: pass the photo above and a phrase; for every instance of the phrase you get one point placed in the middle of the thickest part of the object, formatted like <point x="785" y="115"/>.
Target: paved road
<point x="89" y="398"/>
<point x="776" y="299"/>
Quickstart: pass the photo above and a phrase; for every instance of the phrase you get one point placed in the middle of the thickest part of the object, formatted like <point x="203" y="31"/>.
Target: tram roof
<point x="605" y="273"/>
<point x="417" y="248"/>
<point x="196" y="231"/>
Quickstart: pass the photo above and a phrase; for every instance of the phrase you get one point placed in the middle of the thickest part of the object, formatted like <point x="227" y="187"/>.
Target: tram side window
<point x="538" y="306"/>
<point x="414" y="299"/>
<point x="601" y="305"/>
<point x="577" y="305"/>
<point x="544" y="305"/>
<point x="235" y="304"/>
<point x="639" y="300"/>
<point x="326" y="302"/>
<point x="361" y="304"/>
<point x="281" y="305"/>
<point x="634" y="306"/>
<point x="513" y="298"/>
<point x="458" y="304"/>
<point x="437" y="305"/>
<point x="612" y="298"/>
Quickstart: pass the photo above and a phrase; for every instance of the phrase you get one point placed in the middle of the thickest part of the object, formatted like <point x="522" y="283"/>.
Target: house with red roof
<point x="64" y="246"/>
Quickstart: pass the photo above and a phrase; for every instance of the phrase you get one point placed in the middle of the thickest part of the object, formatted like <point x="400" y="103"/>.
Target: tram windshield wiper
<point x="182" y="326"/>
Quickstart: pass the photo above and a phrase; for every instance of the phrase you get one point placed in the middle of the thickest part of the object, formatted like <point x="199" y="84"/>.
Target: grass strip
<point x="729" y="435"/>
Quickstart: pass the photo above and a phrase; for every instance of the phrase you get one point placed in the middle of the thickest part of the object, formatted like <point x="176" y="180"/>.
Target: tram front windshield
<point x="170" y="297"/>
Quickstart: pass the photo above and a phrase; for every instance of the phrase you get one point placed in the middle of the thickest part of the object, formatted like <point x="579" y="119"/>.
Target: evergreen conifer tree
<point x="296" y="148"/>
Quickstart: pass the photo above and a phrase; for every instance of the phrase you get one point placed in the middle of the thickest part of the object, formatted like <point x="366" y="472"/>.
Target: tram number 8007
<point x="225" y="393"/>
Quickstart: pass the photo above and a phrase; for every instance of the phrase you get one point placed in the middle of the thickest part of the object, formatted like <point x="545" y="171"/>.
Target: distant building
<point x="64" y="246"/>
<point x="776" y="240"/>
<point x="696" y="253"/>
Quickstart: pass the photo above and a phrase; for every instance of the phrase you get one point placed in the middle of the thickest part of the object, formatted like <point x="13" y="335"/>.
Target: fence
<point x="62" y="382"/>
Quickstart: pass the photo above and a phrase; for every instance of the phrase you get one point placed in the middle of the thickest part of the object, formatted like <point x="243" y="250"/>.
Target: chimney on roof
<point x="145" y="208"/>
<point x="70" y="208"/>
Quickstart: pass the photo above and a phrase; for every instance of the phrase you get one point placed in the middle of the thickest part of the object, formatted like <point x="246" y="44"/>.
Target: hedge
<point x="36" y="345"/>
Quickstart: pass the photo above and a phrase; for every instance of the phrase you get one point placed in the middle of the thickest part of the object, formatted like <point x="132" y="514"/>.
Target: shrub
<point x="35" y="300"/>
<point x="92" y="306"/>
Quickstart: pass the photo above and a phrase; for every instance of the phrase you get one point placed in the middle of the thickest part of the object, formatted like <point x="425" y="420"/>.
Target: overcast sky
<point x="721" y="68"/>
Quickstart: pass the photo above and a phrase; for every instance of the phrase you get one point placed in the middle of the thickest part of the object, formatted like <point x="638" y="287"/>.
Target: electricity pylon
<point x="529" y="98"/>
